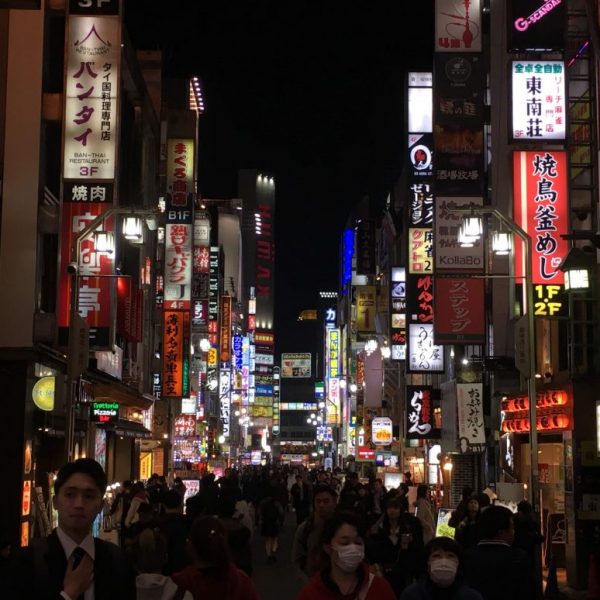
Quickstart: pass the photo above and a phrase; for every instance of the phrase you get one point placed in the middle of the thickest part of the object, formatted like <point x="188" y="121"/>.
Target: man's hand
<point x="78" y="580"/>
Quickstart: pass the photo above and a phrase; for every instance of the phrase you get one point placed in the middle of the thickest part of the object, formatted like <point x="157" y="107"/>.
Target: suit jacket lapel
<point x="102" y="574"/>
<point x="57" y="563"/>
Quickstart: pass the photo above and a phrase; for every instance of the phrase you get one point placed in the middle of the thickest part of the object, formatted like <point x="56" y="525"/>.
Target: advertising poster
<point x="458" y="26"/>
<point x="381" y="431"/>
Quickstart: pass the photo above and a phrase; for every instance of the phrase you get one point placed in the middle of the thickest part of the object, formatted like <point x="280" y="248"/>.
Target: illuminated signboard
<point x="458" y="26"/>
<point x="296" y="365"/>
<point x="424" y="356"/>
<point x="398" y="313"/>
<point x="381" y="431"/>
<point x="420" y="250"/>
<point x="541" y="209"/>
<point x="93" y="58"/>
<point x="539" y="109"/>
<point x="554" y="412"/>
<point x="419" y="413"/>
<point x="333" y="352"/>
<point x="225" y="400"/>
<point x="366" y="306"/>
<point x="536" y="25"/>
<point x="471" y="428"/>
<point x="333" y="406"/>
<point x="213" y="286"/>
<point x="172" y="380"/>
<point x="104" y="412"/>
<point x="43" y="392"/>
<point x="225" y="325"/>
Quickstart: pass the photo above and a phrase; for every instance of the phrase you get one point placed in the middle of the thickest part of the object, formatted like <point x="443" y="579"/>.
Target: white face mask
<point x="349" y="556"/>
<point x="443" y="571"/>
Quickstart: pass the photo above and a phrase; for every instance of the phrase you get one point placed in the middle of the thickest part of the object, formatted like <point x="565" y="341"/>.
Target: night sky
<point x="309" y="91"/>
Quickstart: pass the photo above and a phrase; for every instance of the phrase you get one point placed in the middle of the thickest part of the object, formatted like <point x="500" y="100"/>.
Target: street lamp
<point x="471" y="230"/>
<point x="76" y="333"/>
<point x="576" y="267"/>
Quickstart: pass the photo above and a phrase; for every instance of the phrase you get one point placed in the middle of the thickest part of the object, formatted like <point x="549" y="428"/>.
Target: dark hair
<point x="226" y="506"/>
<point x="86" y="466"/>
<point x="209" y="541"/>
<point x="324" y="489"/>
<point x="525" y="507"/>
<point x="422" y="490"/>
<point x="172" y="499"/>
<point x="493" y="520"/>
<point x="467" y="492"/>
<point x="443" y="543"/>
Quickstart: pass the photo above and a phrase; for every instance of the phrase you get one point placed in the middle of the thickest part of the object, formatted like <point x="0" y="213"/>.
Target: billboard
<point x="541" y="209"/>
<point x="458" y="26"/>
<point x="173" y="353"/>
<point x="398" y="313"/>
<point x="420" y="413"/>
<point x="381" y="431"/>
<point x="296" y="365"/>
<point x="471" y="429"/>
<point x="539" y="108"/>
<point x="424" y="355"/>
<point x="225" y="326"/>
<point x="420" y="250"/>
<point x="333" y="352"/>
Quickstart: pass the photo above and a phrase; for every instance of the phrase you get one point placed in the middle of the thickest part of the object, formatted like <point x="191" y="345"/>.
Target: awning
<point x="121" y="393"/>
<point x="129" y="429"/>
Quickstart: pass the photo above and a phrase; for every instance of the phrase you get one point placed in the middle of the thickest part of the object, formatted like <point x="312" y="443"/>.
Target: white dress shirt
<point x="68" y="546"/>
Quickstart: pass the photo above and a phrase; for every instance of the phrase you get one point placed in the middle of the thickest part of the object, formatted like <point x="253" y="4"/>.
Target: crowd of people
<point x="354" y="540"/>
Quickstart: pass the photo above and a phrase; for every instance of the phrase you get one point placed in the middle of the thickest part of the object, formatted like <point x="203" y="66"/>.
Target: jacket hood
<point x="152" y="586"/>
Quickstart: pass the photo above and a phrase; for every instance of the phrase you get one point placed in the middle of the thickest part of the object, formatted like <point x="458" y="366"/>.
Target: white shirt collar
<point x="69" y="545"/>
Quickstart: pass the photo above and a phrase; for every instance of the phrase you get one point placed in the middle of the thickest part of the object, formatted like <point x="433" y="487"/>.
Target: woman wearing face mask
<point x="345" y="575"/>
<point x="444" y="580"/>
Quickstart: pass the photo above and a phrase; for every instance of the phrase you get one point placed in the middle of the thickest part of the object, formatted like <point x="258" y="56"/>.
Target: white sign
<point x="449" y="254"/>
<point x="381" y="431"/>
<point x="91" y="90"/>
<point x="188" y="406"/>
<point x="420" y="110"/>
<point x="458" y="26"/>
<point x="178" y="266"/>
<point x="225" y="400"/>
<point x="424" y="355"/>
<point x="263" y="359"/>
<point x="538" y="100"/>
<point x="471" y="428"/>
<point x="296" y="365"/>
<point x="598" y="427"/>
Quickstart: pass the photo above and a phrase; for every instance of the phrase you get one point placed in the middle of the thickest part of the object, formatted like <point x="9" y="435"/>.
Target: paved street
<point x="278" y="581"/>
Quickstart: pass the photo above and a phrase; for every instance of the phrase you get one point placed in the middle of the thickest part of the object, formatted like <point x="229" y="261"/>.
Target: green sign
<point x="104" y="412"/>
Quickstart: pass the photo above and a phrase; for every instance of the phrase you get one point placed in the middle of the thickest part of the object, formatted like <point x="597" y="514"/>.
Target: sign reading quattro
<point x="105" y="412"/>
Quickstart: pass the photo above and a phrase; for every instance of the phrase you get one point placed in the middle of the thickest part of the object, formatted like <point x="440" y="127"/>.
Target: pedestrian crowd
<point x="355" y="540"/>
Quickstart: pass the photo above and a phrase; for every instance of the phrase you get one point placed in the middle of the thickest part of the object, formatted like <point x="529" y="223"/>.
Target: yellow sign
<point x="43" y="393"/>
<point x="420" y="250"/>
<point x="212" y="357"/>
<point x="365" y="308"/>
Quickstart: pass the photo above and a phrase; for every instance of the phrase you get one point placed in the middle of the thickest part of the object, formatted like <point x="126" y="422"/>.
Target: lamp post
<point x="469" y="231"/>
<point x="76" y="333"/>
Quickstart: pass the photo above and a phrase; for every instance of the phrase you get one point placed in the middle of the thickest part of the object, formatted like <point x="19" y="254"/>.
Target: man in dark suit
<point x="495" y="568"/>
<point x="70" y="564"/>
<point x="301" y="499"/>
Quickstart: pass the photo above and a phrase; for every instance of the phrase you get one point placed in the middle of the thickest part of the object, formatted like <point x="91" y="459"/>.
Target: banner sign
<point x="541" y="209"/>
<point x="225" y="400"/>
<point x="333" y="406"/>
<point x="536" y="25"/>
<point x="365" y="247"/>
<point x="471" y="429"/>
<point x="213" y="284"/>
<point x="95" y="293"/>
<point x="104" y="412"/>
<point x="419" y="303"/>
<point x="173" y="354"/>
<point x="420" y="250"/>
<point x="424" y="356"/>
<point x="93" y="57"/>
<point x="460" y="317"/>
<point x="276" y="404"/>
<point x="420" y="422"/>
<point x="366" y="307"/>
<point x="381" y="431"/>
<point x="458" y="26"/>
<point x="450" y="256"/>
<point x="539" y="105"/>
<point x="296" y="365"/>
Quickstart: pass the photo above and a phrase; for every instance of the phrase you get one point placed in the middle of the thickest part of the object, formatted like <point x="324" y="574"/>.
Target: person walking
<point x="70" y="563"/>
<point x="467" y="532"/>
<point x="345" y="574"/>
<point x="213" y="574"/>
<point x="300" y="493"/>
<point x="424" y="513"/>
<point x="271" y="515"/>
<point x="445" y="575"/>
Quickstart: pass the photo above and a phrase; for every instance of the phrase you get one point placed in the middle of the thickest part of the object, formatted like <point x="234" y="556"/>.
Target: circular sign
<point x="43" y="393"/>
<point x="420" y="157"/>
<point x="458" y="70"/>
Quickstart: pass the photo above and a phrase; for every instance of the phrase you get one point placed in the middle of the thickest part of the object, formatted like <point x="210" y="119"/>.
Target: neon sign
<point x="523" y="23"/>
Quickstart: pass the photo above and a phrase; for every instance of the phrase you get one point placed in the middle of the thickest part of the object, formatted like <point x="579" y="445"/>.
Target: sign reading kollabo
<point x="105" y="412"/>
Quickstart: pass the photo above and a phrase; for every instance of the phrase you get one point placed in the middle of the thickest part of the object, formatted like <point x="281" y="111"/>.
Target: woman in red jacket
<point x="213" y="574"/>
<point x="345" y="575"/>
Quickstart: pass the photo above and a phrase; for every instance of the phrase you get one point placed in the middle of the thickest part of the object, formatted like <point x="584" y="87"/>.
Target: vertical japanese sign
<point x="424" y="355"/>
<point x="333" y="404"/>
<point x="179" y="224"/>
<point x="366" y="306"/>
<point x="213" y="294"/>
<point x="419" y="413"/>
<point x="541" y="209"/>
<point x="225" y="326"/>
<point x="276" y="404"/>
<point x="333" y="352"/>
<point x="365" y="247"/>
<point x="459" y="316"/>
<point x="225" y="400"/>
<point x="420" y="205"/>
<point x="92" y="67"/>
<point x="538" y="100"/>
<point x="173" y="335"/>
<point x="458" y="26"/>
<point x="91" y="96"/>
<point x="471" y="429"/>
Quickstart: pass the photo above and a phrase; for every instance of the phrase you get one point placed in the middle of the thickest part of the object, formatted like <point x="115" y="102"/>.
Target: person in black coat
<point x="70" y="560"/>
<point x="467" y="532"/>
<point x="495" y="568"/>
<point x="300" y="493"/>
<point x="395" y="546"/>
